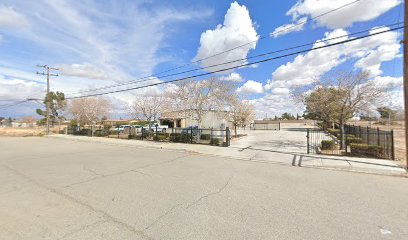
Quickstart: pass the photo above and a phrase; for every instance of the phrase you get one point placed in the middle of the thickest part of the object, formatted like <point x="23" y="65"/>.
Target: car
<point x="160" y="128"/>
<point x="122" y="128"/>
<point x="191" y="130"/>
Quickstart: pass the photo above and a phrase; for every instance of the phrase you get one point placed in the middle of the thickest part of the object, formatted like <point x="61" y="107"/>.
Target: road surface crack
<point x="81" y="203"/>
<point x="196" y="202"/>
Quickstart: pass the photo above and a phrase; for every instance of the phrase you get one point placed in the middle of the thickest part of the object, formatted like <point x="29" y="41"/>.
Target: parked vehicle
<point x="191" y="129"/>
<point x="121" y="128"/>
<point x="160" y="128"/>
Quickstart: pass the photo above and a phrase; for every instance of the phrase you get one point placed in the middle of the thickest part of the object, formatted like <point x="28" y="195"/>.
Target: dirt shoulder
<point x="21" y="132"/>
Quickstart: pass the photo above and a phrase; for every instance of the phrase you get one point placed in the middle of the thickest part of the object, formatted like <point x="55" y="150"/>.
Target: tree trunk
<point x="235" y="128"/>
<point x="342" y="136"/>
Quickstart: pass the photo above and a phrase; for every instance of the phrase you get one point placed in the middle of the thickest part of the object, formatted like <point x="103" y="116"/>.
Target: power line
<point x="147" y="78"/>
<point x="244" y="59"/>
<point x="238" y="66"/>
<point x="5" y="106"/>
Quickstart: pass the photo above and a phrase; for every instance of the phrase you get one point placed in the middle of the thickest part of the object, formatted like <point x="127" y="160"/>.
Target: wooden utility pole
<point x="406" y="79"/>
<point x="47" y="97"/>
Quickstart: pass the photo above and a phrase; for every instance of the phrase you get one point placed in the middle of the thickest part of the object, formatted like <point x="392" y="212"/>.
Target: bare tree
<point x="195" y="97"/>
<point x="88" y="110"/>
<point x="241" y="113"/>
<point x="149" y="107"/>
<point x="341" y="97"/>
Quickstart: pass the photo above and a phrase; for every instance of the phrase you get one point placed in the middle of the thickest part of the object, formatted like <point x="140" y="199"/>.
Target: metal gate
<point x="363" y="142"/>
<point x="322" y="142"/>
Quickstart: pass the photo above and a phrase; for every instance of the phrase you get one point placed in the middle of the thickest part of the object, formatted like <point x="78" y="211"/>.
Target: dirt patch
<point x="21" y="132"/>
<point x="399" y="137"/>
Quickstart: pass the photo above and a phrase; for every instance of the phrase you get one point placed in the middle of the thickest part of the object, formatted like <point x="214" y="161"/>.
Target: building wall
<point x="210" y="120"/>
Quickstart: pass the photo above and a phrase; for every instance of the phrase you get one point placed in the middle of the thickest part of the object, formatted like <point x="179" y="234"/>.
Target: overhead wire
<point x="149" y="78"/>
<point x="239" y="66"/>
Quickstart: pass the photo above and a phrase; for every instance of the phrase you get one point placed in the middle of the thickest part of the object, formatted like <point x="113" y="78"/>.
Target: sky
<point x="102" y="43"/>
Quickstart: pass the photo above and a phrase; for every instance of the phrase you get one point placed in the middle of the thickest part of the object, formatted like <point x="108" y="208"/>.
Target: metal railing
<point x="192" y="135"/>
<point x="359" y="141"/>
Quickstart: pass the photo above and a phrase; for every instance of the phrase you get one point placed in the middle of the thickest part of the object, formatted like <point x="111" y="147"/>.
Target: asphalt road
<point x="62" y="189"/>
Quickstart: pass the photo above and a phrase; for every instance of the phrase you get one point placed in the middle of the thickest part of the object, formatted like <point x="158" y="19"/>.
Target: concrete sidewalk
<point x="244" y="151"/>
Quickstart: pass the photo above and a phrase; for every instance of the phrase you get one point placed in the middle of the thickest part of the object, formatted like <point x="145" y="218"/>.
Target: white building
<point x="182" y="119"/>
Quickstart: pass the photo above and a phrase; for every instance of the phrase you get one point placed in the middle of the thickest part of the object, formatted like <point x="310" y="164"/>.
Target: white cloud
<point x="13" y="88"/>
<point x="233" y="77"/>
<point x="307" y="68"/>
<point x="361" y="11"/>
<point x="281" y="91"/>
<point x="372" y="61"/>
<point x="388" y="82"/>
<point x="85" y="70"/>
<point x="237" y="30"/>
<point x="10" y="18"/>
<point x="270" y="105"/>
<point x="251" y="87"/>
<point x="288" y="28"/>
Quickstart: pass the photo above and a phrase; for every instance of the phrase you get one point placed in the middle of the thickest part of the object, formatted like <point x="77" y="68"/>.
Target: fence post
<point x="368" y="135"/>
<point x="378" y="136"/>
<point x="157" y="137"/>
<point x="118" y="132"/>
<point x="211" y="136"/>
<point x="142" y="133"/>
<point x="91" y="131"/>
<point x="345" y="136"/>
<point x="307" y="137"/>
<point x="359" y="131"/>
<point x="227" y="135"/>
<point x="392" y="145"/>
<point x="191" y="134"/>
<point x="279" y="126"/>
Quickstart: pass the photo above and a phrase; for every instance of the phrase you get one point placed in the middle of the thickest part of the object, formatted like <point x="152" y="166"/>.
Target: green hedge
<point x="180" y="137"/>
<point x="161" y="136"/>
<point x="215" y="141"/>
<point x="205" y="136"/>
<point x="327" y="144"/>
<point x="101" y="133"/>
<point x="365" y="150"/>
<point x="335" y="132"/>
<point x="351" y="140"/>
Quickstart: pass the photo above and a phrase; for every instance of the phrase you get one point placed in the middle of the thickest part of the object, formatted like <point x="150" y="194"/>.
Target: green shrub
<point x="215" y="141"/>
<point x="350" y="140"/>
<point x="180" y="137"/>
<point x="101" y="133"/>
<point x="335" y="132"/>
<point x="365" y="150"/>
<point x="136" y="137"/>
<point x="161" y="136"/>
<point x="327" y="144"/>
<point x="84" y="132"/>
<point x="113" y="132"/>
<point x="205" y="136"/>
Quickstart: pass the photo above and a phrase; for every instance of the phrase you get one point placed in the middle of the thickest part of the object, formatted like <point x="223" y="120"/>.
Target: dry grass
<point x="399" y="137"/>
<point x="20" y="132"/>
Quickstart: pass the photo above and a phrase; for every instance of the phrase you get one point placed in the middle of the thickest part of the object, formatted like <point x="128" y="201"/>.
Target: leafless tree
<point x="88" y="110"/>
<point x="195" y="97"/>
<point x="241" y="113"/>
<point x="340" y="97"/>
<point x="149" y="107"/>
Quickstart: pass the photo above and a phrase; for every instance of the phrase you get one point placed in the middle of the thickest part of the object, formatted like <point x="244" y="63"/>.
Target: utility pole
<point x="406" y="79"/>
<point x="47" y="97"/>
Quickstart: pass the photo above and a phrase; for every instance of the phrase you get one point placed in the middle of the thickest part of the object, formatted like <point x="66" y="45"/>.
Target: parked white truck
<point x="160" y="128"/>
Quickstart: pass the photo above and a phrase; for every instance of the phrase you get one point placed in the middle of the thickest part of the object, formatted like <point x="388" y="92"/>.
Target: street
<point x="64" y="189"/>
